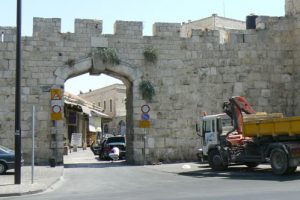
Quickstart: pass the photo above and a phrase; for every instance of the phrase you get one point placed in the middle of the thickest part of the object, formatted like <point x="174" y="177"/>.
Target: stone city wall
<point x="191" y="75"/>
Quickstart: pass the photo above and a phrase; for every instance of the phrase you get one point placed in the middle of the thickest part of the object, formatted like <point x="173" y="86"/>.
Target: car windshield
<point x="116" y="139"/>
<point x="5" y="149"/>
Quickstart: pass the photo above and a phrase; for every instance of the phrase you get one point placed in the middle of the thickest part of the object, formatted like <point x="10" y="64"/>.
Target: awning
<point x="86" y="110"/>
<point x="100" y="113"/>
<point x="71" y="103"/>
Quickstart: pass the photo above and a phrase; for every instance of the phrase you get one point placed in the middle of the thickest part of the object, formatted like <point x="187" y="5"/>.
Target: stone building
<point x="112" y="99"/>
<point x="189" y="75"/>
<point x="83" y="117"/>
<point x="214" y="22"/>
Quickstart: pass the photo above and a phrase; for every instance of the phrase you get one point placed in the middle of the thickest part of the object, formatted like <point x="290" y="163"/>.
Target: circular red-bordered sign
<point x="56" y="109"/>
<point x="145" y="108"/>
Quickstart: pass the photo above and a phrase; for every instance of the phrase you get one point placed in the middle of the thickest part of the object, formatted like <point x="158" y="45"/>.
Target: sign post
<point x="145" y="123"/>
<point x="18" y="96"/>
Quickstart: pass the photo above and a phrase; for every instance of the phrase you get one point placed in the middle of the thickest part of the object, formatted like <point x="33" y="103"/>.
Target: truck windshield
<point x="226" y="124"/>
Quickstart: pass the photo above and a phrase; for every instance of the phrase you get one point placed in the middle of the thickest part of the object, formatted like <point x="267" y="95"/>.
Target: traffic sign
<point x="145" y="116"/>
<point x="145" y="108"/>
<point x="144" y="123"/>
<point x="56" y="104"/>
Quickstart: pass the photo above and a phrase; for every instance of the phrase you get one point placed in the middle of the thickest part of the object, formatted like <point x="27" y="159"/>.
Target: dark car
<point x="96" y="147"/>
<point x="109" y="143"/>
<point x="7" y="159"/>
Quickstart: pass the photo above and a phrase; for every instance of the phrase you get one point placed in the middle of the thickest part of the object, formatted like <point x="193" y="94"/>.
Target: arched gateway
<point x="125" y="72"/>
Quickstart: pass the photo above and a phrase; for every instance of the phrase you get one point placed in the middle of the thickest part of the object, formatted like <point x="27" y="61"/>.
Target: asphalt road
<point x="116" y="181"/>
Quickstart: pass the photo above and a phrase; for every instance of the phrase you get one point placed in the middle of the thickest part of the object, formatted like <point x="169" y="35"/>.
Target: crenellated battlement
<point x="50" y="26"/>
<point x="292" y="7"/>
<point x="89" y="29"/>
<point x="7" y="34"/>
<point x="127" y="28"/>
<point x="166" y="29"/>
<point x="46" y="26"/>
<point x="88" y="26"/>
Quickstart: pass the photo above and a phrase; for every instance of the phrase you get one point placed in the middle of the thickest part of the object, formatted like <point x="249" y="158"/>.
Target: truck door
<point x="209" y="134"/>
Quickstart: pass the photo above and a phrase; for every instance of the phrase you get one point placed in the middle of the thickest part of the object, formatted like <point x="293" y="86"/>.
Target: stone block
<point x="99" y="42"/>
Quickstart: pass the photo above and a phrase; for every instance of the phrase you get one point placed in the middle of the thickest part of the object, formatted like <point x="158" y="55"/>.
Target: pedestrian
<point x="114" y="154"/>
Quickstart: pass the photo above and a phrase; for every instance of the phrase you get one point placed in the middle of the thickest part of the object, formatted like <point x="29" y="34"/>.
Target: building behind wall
<point x="83" y="117"/>
<point x="112" y="100"/>
<point x="213" y="22"/>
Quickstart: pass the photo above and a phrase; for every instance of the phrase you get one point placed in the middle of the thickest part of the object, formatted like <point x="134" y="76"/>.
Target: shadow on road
<point x="101" y="164"/>
<point x="241" y="173"/>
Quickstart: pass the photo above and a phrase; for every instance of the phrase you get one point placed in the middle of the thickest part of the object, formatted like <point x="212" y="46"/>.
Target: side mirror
<point x="198" y="130"/>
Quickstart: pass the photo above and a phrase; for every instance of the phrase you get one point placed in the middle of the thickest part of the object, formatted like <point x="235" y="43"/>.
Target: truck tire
<point x="216" y="162"/>
<point x="279" y="161"/>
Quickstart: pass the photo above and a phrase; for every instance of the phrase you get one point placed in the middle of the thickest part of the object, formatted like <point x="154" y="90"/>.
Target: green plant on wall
<point x="147" y="90"/>
<point x="150" y="54"/>
<point x="107" y="55"/>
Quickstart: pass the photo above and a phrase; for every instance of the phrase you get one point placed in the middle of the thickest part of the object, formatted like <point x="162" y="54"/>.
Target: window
<point x="104" y="105"/>
<point x="110" y="105"/>
<point x="99" y="104"/>
<point x="206" y="126"/>
<point x="72" y="118"/>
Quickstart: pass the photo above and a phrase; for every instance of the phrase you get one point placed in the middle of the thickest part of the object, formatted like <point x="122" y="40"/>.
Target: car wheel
<point x="3" y="168"/>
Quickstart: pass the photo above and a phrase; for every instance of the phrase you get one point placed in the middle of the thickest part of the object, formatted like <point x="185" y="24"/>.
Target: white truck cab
<point x="211" y="128"/>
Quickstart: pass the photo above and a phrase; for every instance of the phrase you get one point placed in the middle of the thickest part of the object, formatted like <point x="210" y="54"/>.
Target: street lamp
<point x="18" y="97"/>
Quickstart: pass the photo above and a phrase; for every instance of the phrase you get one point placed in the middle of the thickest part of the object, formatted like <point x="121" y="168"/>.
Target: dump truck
<point x="240" y="135"/>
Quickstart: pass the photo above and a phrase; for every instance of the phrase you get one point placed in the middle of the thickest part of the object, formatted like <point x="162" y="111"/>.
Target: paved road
<point x="115" y="181"/>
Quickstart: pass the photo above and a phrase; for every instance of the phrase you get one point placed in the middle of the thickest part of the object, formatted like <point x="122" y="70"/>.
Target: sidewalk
<point x="44" y="178"/>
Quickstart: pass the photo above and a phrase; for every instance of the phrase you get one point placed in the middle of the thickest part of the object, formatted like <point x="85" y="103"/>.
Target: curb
<point x="35" y="191"/>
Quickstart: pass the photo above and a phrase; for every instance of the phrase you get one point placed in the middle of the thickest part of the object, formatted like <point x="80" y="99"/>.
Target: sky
<point x="146" y="11"/>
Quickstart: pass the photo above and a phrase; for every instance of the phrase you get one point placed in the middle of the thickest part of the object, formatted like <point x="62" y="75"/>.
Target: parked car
<point x="7" y="159"/>
<point x="109" y="143"/>
<point x="96" y="147"/>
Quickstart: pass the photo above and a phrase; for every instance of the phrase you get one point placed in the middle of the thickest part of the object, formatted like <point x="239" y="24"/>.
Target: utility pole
<point x="18" y="98"/>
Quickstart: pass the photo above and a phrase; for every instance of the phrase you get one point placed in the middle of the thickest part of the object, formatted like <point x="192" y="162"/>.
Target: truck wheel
<point x="215" y="161"/>
<point x="279" y="161"/>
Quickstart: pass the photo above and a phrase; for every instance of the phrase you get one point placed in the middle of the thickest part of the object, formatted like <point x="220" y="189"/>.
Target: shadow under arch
<point x="125" y="72"/>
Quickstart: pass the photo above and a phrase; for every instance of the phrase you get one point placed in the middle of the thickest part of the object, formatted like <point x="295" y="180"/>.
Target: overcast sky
<point x="146" y="11"/>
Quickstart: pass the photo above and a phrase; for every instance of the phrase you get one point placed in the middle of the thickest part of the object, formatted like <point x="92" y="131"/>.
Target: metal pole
<point x="144" y="146"/>
<point x="18" y="98"/>
<point x="33" y="134"/>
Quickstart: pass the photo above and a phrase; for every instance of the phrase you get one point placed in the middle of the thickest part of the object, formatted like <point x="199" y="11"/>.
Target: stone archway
<point x="126" y="73"/>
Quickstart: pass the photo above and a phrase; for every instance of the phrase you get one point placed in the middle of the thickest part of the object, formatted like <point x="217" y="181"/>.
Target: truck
<point x="242" y="136"/>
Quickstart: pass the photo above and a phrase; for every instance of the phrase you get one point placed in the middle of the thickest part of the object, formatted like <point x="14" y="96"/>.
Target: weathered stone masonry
<point x="191" y="75"/>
